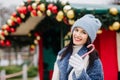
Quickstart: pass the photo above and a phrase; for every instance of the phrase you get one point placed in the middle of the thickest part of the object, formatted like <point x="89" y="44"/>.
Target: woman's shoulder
<point x="61" y="51"/>
<point x="98" y="62"/>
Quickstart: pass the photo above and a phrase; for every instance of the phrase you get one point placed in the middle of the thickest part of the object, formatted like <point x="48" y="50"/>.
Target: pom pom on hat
<point x="90" y="24"/>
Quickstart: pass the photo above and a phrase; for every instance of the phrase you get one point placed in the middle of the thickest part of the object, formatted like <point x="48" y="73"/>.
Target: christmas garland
<point x="62" y="13"/>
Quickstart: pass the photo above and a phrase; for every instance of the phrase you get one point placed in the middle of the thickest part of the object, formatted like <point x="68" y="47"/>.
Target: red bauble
<point x="2" y="43"/>
<point x="65" y="20"/>
<point x="36" y="34"/>
<point x="50" y="6"/>
<point x="18" y="20"/>
<point x="2" y="33"/>
<point x="5" y="27"/>
<point x="24" y="10"/>
<point x="28" y="1"/>
<point x="8" y="28"/>
<point x="54" y="9"/>
<point x="14" y="14"/>
<point x="12" y="29"/>
<point x="19" y="9"/>
<point x="8" y="43"/>
<point x="13" y="23"/>
<point x="30" y="8"/>
<point x="34" y="12"/>
<point x="38" y="7"/>
<point x="31" y="49"/>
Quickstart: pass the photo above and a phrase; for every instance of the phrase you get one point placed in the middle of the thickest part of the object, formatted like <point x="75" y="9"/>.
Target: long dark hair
<point x="69" y="49"/>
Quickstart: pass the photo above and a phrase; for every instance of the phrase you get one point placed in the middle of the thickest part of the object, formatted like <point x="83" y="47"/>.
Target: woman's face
<point x="80" y="36"/>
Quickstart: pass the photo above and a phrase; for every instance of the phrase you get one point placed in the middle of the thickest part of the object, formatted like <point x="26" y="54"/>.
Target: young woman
<point x="70" y="65"/>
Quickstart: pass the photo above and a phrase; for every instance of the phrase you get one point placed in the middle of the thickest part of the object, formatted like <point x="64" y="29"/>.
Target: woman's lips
<point x="77" y="39"/>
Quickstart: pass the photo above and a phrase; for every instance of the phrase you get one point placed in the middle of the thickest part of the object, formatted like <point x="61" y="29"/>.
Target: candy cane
<point x="90" y="45"/>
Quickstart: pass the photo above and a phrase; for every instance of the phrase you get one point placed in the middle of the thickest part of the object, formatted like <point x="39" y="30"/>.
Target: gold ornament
<point x="116" y="25"/>
<point x="38" y="38"/>
<point x="37" y="1"/>
<point x="60" y="14"/>
<point x="99" y="31"/>
<point x="48" y="12"/>
<point x="13" y="18"/>
<point x="32" y="46"/>
<point x="113" y="11"/>
<point x="66" y="8"/>
<point x="9" y="22"/>
<point x="111" y="28"/>
<point x="42" y="7"/>
<point x="70" y="14"/>
<point x="35" y="41"/>
<point x="71" y="22"/>
<point x="66" y="38"/>
<point x="6" y="32"/>
<point x="4" y="26"/>
<point x="2" y="37"/>
<point x="39" y="13"/>
<point x="22" y="15"/>
<point x="64" y="2"/>
<point x="58" y="19"/>
<point x="34" y="5"/>
<point x="66" y="43"/>
<point x="33" y="13"/>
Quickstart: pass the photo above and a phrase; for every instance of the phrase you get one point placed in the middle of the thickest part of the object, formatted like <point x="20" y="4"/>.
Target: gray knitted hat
<point x="90" y="24"/>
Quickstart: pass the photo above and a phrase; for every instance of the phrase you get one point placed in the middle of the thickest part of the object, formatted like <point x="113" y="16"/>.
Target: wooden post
<point x="2" y="75"/>
<point x="25" y="72"/>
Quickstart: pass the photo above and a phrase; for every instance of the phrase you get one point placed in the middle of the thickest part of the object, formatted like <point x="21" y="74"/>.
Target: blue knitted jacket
<point x="92" y="73"/>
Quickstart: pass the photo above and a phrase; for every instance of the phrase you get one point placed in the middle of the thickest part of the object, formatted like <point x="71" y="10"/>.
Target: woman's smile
<point x="77" y="38"/>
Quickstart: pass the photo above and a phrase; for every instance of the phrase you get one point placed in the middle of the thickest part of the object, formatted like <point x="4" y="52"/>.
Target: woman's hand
<point x="77" y="63"/>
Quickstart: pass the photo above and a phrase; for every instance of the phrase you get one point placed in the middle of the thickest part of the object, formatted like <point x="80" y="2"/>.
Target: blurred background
<point x="33" y="31"/>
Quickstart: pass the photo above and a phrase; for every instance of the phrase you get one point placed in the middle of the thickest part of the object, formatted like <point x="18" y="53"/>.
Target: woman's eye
<point x="81" y="31"/>
<point x="84" y="32"/>
<point x="76" y="30"/>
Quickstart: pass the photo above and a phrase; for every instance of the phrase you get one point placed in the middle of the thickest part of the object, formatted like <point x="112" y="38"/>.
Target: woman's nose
<point x="78" y="34"/>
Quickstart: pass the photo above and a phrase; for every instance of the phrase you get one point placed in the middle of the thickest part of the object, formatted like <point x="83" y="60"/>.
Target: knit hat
<point x="90" y="24"/>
